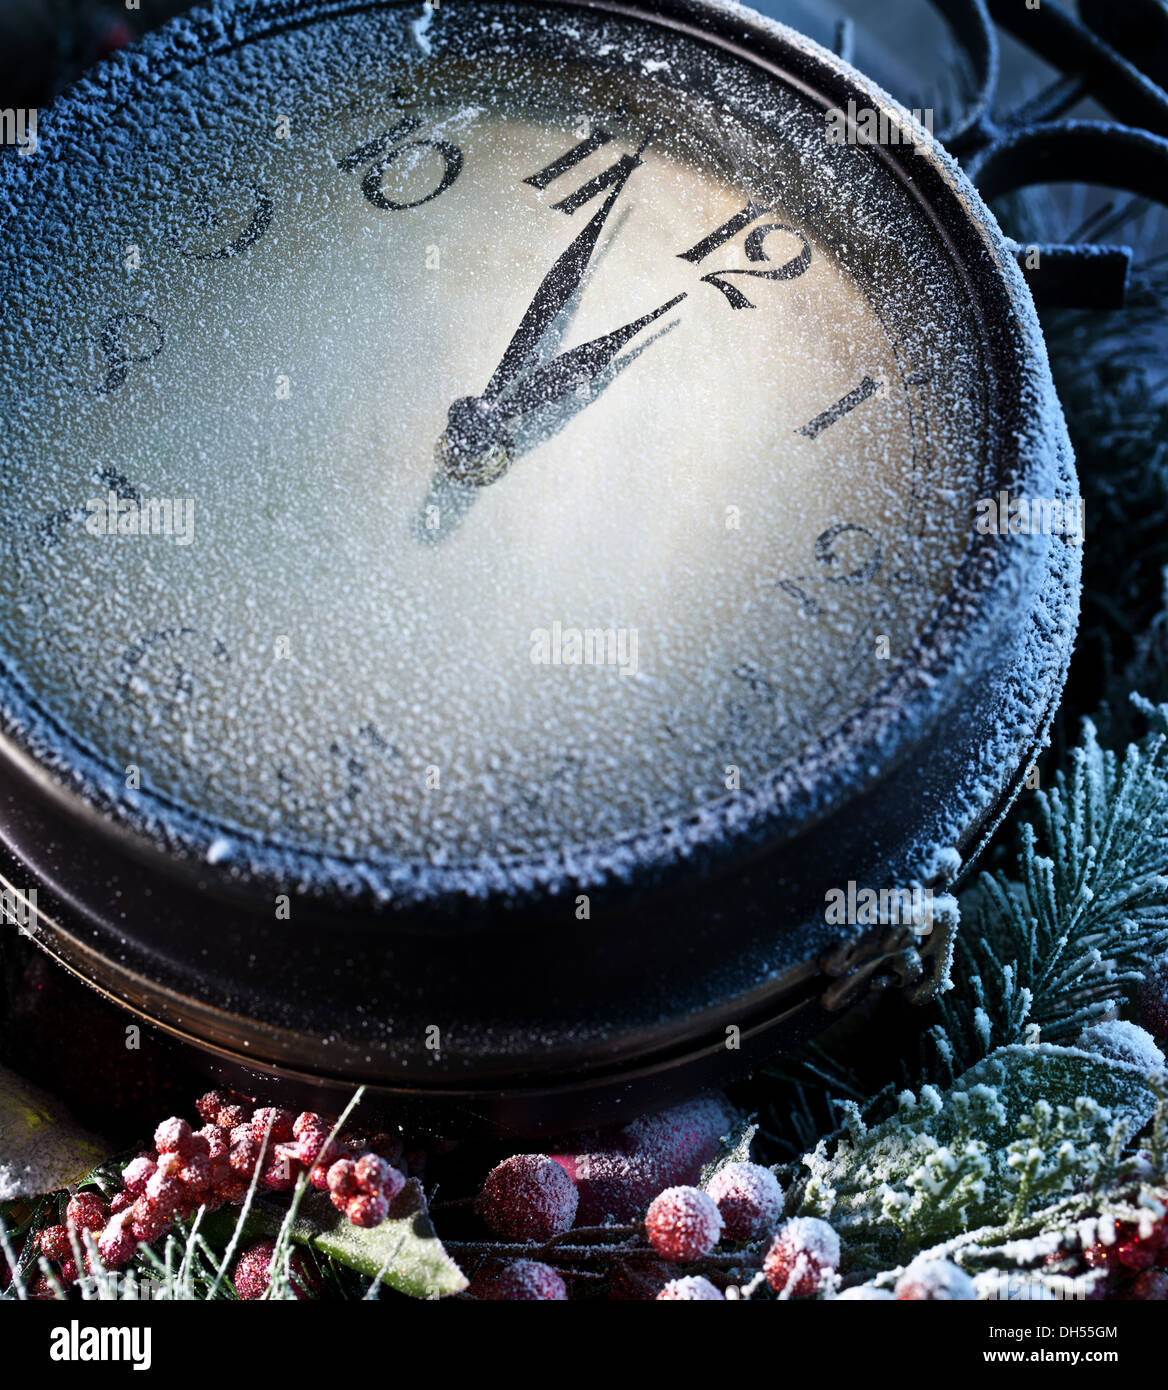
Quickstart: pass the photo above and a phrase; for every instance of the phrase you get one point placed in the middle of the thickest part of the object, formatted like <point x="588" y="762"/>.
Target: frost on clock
<point x="316" y="671"/>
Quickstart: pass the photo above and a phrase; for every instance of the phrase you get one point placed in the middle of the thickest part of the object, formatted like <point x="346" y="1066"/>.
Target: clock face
<point x="462" y="434"/>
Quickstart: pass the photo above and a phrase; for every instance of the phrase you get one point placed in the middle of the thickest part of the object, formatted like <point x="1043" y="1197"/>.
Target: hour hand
<point x="476" y="447"/>
<point x="558" y="287"/>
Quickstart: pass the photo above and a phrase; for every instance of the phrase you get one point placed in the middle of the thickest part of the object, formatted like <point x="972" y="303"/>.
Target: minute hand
<point x="576" y="368"/>
<point x="558" y="286"/>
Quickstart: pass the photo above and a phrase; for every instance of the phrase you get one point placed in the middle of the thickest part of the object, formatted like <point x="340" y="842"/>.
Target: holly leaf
<point x="404" y="1250"/>
<point x="44" y="1150"/>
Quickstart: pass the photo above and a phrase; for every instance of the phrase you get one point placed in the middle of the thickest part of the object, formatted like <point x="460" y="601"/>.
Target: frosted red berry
<point x="196" y="1173"/>
<point x="163" y="1195"/>
<point x="209" y="1105"/>
<point x="147" y="1222"/>
<point x="243" y="1156"/>
<point x="367" y="1209"/>
<point x="307" y="1122"/>
<point x="137" y="1173"/>
<point x="169" y="1165"/>
<point x="695" y="1288"/>
<point x="68" y="1273"/>
<point x="528" y="1197"/>
<point x="683" y="1223"/>
<point x="173" y="1136"/>
<point x="230" y="1116"/>
<point x="121" y="1200"/>
<point x="116" y="1244"/>
<point x="85" y="1212"/>
<point x="935" y="1281"/>
<point x="218" y="1142"/>
<point x="518" y="1281"/>
<point x="54" y="1244"/>
<point x="313" y="1147"/>
<point x="370" y="1173"/>
<point x="749" y="1198"/>
<point x="279" y="1175"/>
<point x="801" y="1255"/>
<point x="342" y="1178"/>
<point x="274" y="1122"/>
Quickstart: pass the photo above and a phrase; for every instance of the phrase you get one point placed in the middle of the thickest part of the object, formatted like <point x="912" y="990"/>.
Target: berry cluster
<point x="215" y="1165"/>
<point x="1134" y="1266"/>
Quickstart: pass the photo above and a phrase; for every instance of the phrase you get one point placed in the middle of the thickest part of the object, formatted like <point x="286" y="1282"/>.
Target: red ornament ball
<point x="252" y="1277"/>
<point x="683" y="1223"/>
<point x="695" y="1288"/>
<point x="527" y="1281"/>
<point x="749" y="1198"/>
<point x="803" y="1253"/>
<point x="528" y="1197"/>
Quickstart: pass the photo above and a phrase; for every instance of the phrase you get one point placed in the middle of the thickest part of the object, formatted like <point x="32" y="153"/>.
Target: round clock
<point x="492" y="544"/>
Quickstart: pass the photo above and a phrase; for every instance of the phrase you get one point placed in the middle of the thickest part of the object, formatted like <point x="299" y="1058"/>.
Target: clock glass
<point x="456" y="444"/>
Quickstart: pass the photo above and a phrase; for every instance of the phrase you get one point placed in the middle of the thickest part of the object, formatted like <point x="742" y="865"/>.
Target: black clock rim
<point x="41" y="756"/>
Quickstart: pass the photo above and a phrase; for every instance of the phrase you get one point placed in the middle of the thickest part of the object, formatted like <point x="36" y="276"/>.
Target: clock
<point x="492" y="545"/>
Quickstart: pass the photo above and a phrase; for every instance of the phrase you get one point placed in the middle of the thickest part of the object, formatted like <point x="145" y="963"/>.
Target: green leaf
<point x="404" y="1249"/>
<point x="44" y="1150"/>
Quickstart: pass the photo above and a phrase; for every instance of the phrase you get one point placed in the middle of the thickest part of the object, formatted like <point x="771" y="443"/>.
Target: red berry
<point x="136" y="1173"/>
<point x="309" y="1122"/>
<point x="279" y="1174"/>
<point x="243" y="1156"/>
<point x="370" y="1173"/>
<point x="218" y="1141"/>
<point x="85" y="1212"/>
<point x="196" y="1173"/>
<point x="518" y="1281"/>
<point x="683" y="1223"/>
<point x="147" y="1223"/>
<point x="169" y="1165"/>
<point x="231" y="1116"/>
<point x="163" y="1195"/>
<point x="116" y="1244"/>
<point x="528" y="1197"/>
<point x="121" y="1201"/>
<point x="367" y="1210"/>
<point x="749" y="1198"/>
<point x="1151" y="1286"/>
<point x="695" y="1288"/>
<point x="172" y="1136"/>
<point x="275" y="1123"/>
<point x="801" y="1255"/>
<point x="319" y="1177"/>
<point x="1135" y="1254"/>
<point x="54" y="1244"/>
<point x="313" y="1147"/>
<point x="342" y="1178"/>
<point x="209" y="1106"/>
<point x="68" y="1271"/>
<point x="935" y="1281"/>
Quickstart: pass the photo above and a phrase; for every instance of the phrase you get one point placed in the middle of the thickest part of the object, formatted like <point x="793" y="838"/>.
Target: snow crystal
<point x="1124" y="1042"/>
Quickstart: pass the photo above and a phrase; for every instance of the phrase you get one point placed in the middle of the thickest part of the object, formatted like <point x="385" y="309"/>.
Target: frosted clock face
<point x="447" y="436"/>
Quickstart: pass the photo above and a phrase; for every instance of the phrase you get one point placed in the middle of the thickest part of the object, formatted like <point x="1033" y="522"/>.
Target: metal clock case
<point x="209" y="773"/>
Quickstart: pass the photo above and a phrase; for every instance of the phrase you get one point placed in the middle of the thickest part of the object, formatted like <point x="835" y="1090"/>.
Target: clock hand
<point x="558" y="286"/>
<point x="476" y="447"/>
